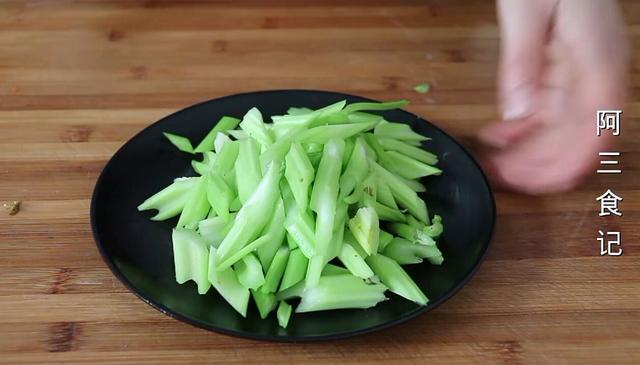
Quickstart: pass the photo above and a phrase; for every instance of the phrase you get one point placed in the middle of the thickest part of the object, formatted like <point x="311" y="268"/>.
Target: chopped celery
<point x="292" y="292"/>
<point x="295" y="269"/>
<point x="415" y="235"/>
<point x="224" y="124"/>
<point x="204" y="167"/>
<point x="435" y="229"/>
<point x="221" y="140"/>
<point x="247" y="169"/>
<point x="405" y="252"/>
<point x="365" y="228"/>
<point x="314" y="270"/>
<point x="219" y="195"/>
<point x="404" y="195"/>
<point x="384" y="194"/>
<point x="422" y="88"/>
<point x="190" y="255"/>
<point x="323" y="134"/>
<point x="283" y="313"/>
<point x="419" y="154"/>
<point x="227" y="285"/>
<point x="266" y="302"/>
<point x="253" y="125"/>
<point x="414" y="185"/>
<point x="170" y="201"/>
<point x="249" y="272"/>
<point x="238" y="134"/>
<point x="406" y="166"/>
<point x="331" y="269"/>
<point x="396" y="279"/>
<point x="226" y="158"/>
<point x="385" y="238"/>
<point x="275" y="228"/>
<point x="356" y="168"/>
<point x="197" y="207"/>
<point x="375" y="106"/>
<point x="291" y="242"/>
<point x="299" y="174"/>
<point x="298" y="111"/>
<point x="299" y="225"/>
<point x="399" y="131"/>
<point x="349" y="144"/>
<point x="238" y="255"/>
<point x="354" y="262"/>
<point x="388" y="214"/>
<point x="214" y="229"/>
<point x="181" y="143"/>
<point x="276" y="270"/>
<point x="340" y="291"/>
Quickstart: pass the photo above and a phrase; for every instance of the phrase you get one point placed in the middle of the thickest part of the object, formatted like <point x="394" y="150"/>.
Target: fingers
<point x="503" y="133"/>
<point x="524" y="25"/>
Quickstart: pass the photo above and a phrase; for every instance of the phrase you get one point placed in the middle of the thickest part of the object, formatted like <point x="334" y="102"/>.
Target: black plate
<point x="139" y="251"/>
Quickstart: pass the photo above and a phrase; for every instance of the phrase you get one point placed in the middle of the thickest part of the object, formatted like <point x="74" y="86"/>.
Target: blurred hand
<point x="560" y="61"/>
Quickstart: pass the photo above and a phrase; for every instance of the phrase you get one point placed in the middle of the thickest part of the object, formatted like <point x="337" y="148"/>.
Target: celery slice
<point x="169" y="201"/>
<point x="414" y="185"/>
<point x="384" y="194"/>
<point x="247" y="169"/>
<point x="284" y="313"/>
<point x="314" y="270"/>
<point x="276" y="270"/>
<point x="385" y="239"/>
<point x="354" y="262"/>
<point x="275" y="228"/>
<point x="299" y="174"/>
<point x="388" y="214"/>
<point x="266" y="302"/>
<point x="349" y="144"/>
<point x="220" y="141"/>
<point x="227" y="285"/>
<point x="407" y="167"/>
<point x="190" y="256"/>
<point x="331" y="269"/>
<point x="224" y="124"/>
<point x="181" y="143"/>
<point x="292" y="292"/>
<point x="226" y="158"/>
<point x="300" y="225"/>
<point x="253" y="125"/>
<point x="219" y="195"/>
<point x="340" y="291"/>
<point x="396" y="279"/>
<point x="366" y="229"/>
<point x="197" y="207"/>
<point x="249" y="272"/>
<point x="414" y="235"/>
<point x="238" y="134"/>
<point x="323" y="134"/>
<point x="405" y="252"/>
<point x="404" y="195"/>
<point x="375" y="106"/>
<point x="435" y="229"/>
<point x="419" y="154"/>
<point x="214" y="229"/>
<point x="291" y="242"/>
<point x="238" y="255"/>
<point x="253" y="215"/>
<point x="399" y="131"/>
<point x="356" y="168"/>
<point x="298" y="111"/>
<point x="295" y="269"/>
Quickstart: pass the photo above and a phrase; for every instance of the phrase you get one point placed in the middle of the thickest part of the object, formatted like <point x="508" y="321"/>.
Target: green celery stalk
<point x="356" y="168"/>
<point x="244" y="251"/>
<point x="226" y="159"/>
<point x="314" y="270"/>
<point x="224" y="124"/>
<point x="435" y="229"/>
<point x="219" y="195"/>
<point x="197" y="207"/>
<point x="396" y="279"/>
<point x="338" y="292"/>
<point x="235" y="204"/>
<point x="283" y="313"/>
<point x="249" y="272"/>
<point x="384" y="194"/>
<point x="227" y="285"/>
<point x="220" y="140"/>
<point x="254" y="214"/>
<point x="338" y="231"/>
<point x="190" y="255"/>
<point x="171" y="200"/>
<point x="203" y="167"/>
<point x="330" y="269"/>
<point x="238" y="134"/>
<point x="292" y="292"/>
<point x="405" y="252"/>
<point x="266" y="302"/>
<point x="295" y="269"/>
<point x="355" y="107"/>
<point x="388" y="214"/>
<point x="275" y="228"/>
<point x="366" y="229"/>
<point x="214" y="229"/>
<point x="298" y="111"/>
<point x="385" y="239"/>
<point x="299" y="224"/>
<point x="361" y="117"/>
<point x="276" y="270"/>
<point x="391" y="144"/>
<point x="323" y="134"/>
<point x="415" y="185"/>
<point x="414" y="235"/>
<point x="413" y="222"/>
<point x="181" y="143"/>
<point x="404" y="195"/>
<point x="349" y="144"/>
<point x="299" y="174"/>
<point x="254" y="126"/>
<point x="354" y="262"/>
<point x="291" y="242"/>
<point x="247" y="169"/>
<point x="399" y="131"/>
<point x="407" y="167"/>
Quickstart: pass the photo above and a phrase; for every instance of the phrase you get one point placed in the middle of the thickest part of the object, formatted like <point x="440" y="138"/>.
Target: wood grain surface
<point x="78" y="78"/>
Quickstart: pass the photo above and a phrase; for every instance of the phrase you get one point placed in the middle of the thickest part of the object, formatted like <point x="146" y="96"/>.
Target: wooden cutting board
<point x="79" y="78"/>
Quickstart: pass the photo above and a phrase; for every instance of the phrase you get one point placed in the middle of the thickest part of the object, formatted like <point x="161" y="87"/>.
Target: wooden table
<point x="79" y="78"/>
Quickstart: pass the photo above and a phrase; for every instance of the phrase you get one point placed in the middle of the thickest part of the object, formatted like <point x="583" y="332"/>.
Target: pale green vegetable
<point x="396" y="279"/>
<point x="275" y="228"/>
<point x="191" y="256"/>
<point x="295" y="269"/>
<point x="407" y="167"/>
<point x="375" y="106"/>
<point x="283" y="314"/>
<point x="170" y="201"/>
<point x="299" y="173"/>
<point x="365" y="228"/>
<point x="422" y="88"/>
<point x="419" y="154"/>
<point x="223" y="125"/>
<point x="181" y="143"/>
<point x="247" y="169"/>
<point x="276" y="270"/>
<point x="354" y="262"/>
<point x="253" y="125"/>
<point x="266" y="302"/>
<point x="238" y="255"/>
<point x="227" y="285"/>
<point x="197" y="207"/>
<point x="405" y="252"/>
<point x="249" y="271"/>
<point x="398" y="131"/>
<point x="340" y="291"/>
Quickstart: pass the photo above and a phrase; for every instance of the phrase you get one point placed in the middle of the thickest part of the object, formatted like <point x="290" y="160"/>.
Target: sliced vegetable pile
<point x="320" y="205"/>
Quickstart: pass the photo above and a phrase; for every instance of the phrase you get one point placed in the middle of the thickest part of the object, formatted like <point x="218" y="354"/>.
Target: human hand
<point x="560" y="61"/>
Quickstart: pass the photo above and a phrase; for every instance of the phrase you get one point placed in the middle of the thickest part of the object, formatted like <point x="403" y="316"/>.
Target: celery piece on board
<point x="375" y="106"/>
<point x="254" y="214"/>
<point x="398" y="131"/>
<point x="224" y="124"/>
<point x="276" y="229"/>
<point x="404" y="195"/>
<point x="392" y="144"/>
<point x="396" y="279"/>
<point x="295" y="269"/>
<point x="170" y="201"/>
<point x="266" y="302"/>
<point x="276" y="270"/>
<point x="249" y="272"/>
<point x="254" y="126"/>
<point x="247" y="168"/>
<point x="354" y="262"/>
<point x="181" y="143"/>
<point x="227" y="285"/>
<point x="365" y="227"/>
<point x="299" y="174"/>
<point x="284" y="313"/>
<point x="406" y="166"/>
<point x="340" y="291"/>
<point x="190" y="256"/>
<point x="197" y="207"/>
